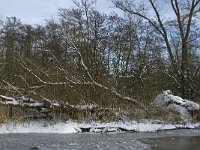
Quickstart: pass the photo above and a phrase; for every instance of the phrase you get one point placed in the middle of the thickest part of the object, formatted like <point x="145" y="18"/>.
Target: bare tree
<point x="185" y="13"/>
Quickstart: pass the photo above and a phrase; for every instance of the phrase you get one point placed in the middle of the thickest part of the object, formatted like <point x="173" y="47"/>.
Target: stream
<point x="166" y="140"/>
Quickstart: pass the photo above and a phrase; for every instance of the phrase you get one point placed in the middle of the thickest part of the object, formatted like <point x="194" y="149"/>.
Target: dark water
<point x="177" y="139"/>
<point x="175" y="143"/>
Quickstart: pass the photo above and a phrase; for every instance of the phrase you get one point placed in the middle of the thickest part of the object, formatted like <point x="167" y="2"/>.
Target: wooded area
<point x="110" y="59"/>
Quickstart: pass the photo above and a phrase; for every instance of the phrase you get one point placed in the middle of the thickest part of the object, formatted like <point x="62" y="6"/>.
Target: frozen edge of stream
<point x="93" y="127"/>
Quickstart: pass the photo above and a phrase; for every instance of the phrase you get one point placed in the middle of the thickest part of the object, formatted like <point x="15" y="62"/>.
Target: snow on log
<point x="8" y="100"/>
<point x="21" y="101"/>
<point x="176" y="103"/>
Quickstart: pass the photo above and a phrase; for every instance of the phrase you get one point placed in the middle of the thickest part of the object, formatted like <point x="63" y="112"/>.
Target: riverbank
<point x="92" y="127"/>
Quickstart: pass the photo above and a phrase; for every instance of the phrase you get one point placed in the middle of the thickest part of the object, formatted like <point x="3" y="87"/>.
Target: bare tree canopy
<point x="186" y="13"/>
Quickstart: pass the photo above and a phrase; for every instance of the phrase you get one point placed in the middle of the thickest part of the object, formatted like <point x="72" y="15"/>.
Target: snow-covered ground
<point x="72" y="127"/>
<point x="37" y="127"/>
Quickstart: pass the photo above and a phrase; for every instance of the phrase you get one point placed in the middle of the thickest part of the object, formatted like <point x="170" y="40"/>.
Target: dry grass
<point x="114" y="112"/>
<point x="13" y="113"/>
<point x="2" y="118"/>
<point x="3" y="114"/>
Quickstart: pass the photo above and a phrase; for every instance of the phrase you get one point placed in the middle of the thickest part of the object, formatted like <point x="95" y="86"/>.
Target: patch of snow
<point x="176" y="103"/>
<point x="192" y="105"/>
<point x="166" y="97"/>
<point x="52" y="103"/>
<point x="22" y="101"/>
<point x="183" y="112"/>
<point x="147" y="126"/>
<point x="36" y="127"/>
<point x="36" y="104"/>
<point x="72" y="127"/>
<point x="8" y="100"/>
<point x="162" y="99"/>
<point x="84" y="106"/>
<point x="45" y="110"/>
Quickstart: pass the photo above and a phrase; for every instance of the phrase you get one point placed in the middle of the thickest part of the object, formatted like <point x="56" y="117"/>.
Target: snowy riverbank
<point x="94" y="127"/>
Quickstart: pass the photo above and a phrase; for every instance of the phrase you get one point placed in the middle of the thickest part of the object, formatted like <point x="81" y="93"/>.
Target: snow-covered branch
<point x="95" y="83"/>
<point x="12" y="87"/>
<point x="42" y="81"/>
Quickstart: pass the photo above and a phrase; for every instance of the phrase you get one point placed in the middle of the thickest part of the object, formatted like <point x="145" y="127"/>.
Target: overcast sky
<point x="35" y="11"/>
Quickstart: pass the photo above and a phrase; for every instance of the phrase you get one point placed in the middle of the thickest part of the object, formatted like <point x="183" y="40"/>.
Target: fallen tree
<point x="50" y="109"/>
<point x="72" y="81"/>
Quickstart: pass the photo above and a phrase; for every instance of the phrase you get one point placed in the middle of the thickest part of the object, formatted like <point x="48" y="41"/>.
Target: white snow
<point x="176" y="103"/>
<point x="85" y="106"/>
<point x="96" y="127"/>
<point x="8" y="100"/>
<point x="162" y="99"/>
<point x="36" y="127"/>
<point x="22" y="101"/>
<point x="166" y="97"/>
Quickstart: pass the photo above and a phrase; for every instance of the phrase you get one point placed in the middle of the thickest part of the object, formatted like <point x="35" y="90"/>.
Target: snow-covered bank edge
<point x="72" y="127"/>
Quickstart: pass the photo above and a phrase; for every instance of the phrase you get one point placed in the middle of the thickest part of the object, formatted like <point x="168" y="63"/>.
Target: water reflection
<point x="175" y="143"/>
